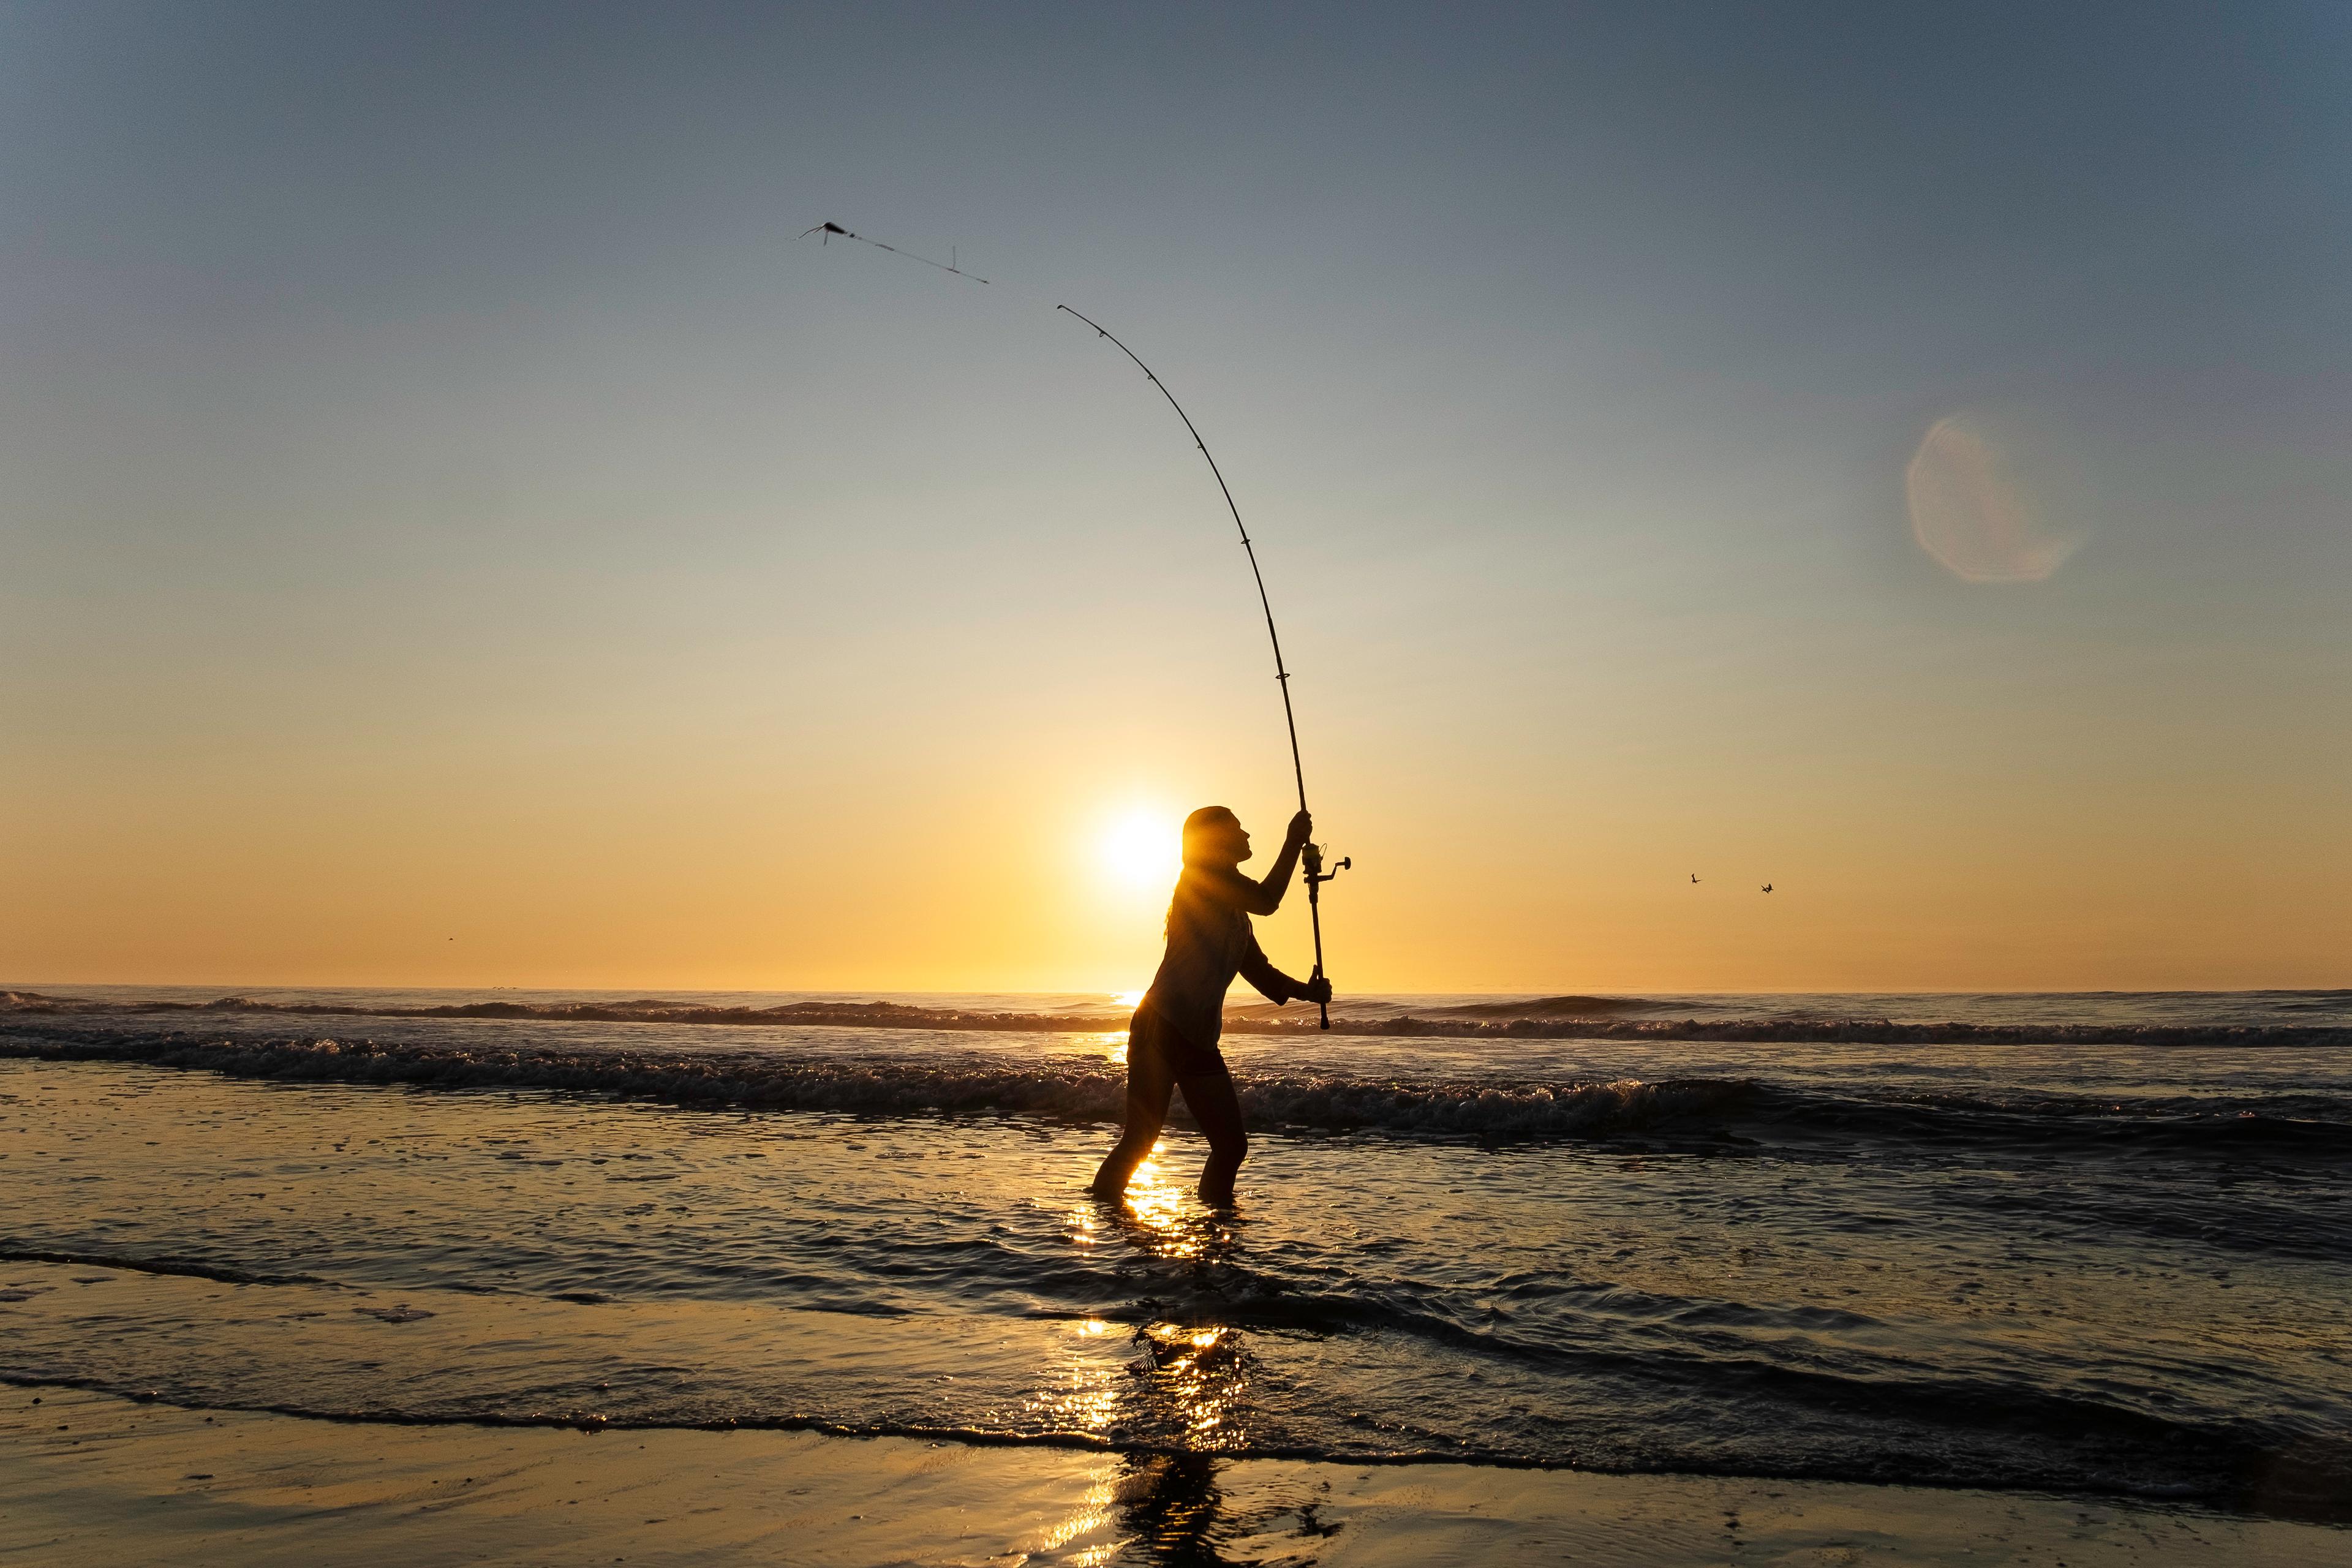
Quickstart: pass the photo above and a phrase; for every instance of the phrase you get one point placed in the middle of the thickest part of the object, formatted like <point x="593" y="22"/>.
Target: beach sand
<point x="90" y="1479"/>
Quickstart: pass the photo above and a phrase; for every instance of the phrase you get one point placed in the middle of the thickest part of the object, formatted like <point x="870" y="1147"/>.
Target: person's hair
<point x="1209" y="820"/>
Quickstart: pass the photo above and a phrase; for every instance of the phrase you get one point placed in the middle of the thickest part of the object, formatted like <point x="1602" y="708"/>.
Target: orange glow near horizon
<point x="355" y="878"/>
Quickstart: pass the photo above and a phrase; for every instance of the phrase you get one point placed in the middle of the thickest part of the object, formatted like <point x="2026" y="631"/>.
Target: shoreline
<point x="88" y="1477"/>
<point x="1078" y="1445"/>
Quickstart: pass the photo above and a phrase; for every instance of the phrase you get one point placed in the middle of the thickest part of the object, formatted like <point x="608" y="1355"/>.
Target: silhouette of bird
<point x="1767" y="887"/>
<point x="1693" y="876"/>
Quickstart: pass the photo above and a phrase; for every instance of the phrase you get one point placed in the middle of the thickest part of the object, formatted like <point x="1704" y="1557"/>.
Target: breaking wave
<point x="888" y="1085"/>
<point x="1552" y="1018"/>
<point x="1716" y="1111"/>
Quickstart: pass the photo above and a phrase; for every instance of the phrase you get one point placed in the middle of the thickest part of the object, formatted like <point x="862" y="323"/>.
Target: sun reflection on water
<point x="1091" y="1513"/>
<point x="1186" y="1380"/>
<point x="1193" y="1374"/>
<point x="1196" y="1376"/>
<point x="1159" y="1215"/>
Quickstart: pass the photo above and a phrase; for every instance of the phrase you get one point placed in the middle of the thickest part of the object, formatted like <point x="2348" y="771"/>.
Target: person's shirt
<point x="1209" y="943"/>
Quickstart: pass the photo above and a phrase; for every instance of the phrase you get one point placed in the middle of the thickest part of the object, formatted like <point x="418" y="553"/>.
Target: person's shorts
<point x="1150" y="1041"/>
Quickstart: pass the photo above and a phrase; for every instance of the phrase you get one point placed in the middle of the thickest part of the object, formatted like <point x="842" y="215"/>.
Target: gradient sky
<point x="452" y="532"/>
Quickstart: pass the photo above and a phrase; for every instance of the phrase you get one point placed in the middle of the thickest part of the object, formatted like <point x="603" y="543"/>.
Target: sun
<point x="1139" y="849"/>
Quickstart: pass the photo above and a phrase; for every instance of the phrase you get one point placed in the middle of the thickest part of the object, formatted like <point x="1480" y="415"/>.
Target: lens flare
<point x="1970" y="511"/>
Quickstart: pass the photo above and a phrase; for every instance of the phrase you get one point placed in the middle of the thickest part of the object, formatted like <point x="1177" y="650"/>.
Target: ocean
<point x="2091" y="1245"/>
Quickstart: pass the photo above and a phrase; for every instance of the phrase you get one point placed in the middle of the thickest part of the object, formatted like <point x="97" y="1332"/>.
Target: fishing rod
<point x="1311" y="853"/>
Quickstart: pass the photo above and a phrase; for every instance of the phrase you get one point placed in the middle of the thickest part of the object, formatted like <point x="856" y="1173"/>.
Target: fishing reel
<point x="1316" y="876"/>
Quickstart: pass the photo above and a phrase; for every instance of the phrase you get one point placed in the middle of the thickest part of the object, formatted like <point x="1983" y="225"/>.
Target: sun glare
<point x="1139" y="849"/>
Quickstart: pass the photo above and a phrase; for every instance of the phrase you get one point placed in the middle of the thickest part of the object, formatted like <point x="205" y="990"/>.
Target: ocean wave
<point x="1717" y="1111"/>
<point x="185" y="1268"/>
<point x="1555" y="1017"/>
<point x="898" y="1086"/>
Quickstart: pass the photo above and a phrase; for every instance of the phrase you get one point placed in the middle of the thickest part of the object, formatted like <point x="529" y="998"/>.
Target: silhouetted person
<point x="1172" y="1043"/>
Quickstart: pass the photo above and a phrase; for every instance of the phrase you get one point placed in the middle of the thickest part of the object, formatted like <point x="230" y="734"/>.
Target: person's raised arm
<point x="1266" y="897"/>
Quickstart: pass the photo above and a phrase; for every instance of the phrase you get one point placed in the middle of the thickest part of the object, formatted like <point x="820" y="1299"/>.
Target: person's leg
<point x="1148" y="1085"/>
<point x="1214" y="1104"/>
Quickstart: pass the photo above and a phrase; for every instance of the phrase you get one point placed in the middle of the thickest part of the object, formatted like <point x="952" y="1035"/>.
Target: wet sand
<point x="90" y="1479"/>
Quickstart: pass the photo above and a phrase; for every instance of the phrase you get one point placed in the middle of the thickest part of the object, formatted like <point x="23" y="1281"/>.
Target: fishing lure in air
<point x="1312" y="853"/>
<point x="829" y="229"/>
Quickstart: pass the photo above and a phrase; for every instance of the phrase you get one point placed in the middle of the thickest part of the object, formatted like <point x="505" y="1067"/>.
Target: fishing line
<point x="1312" y="853"/>
<point x="829" y="229"/>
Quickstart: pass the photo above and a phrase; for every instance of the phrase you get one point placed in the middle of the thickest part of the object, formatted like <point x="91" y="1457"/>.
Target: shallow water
<point x="2012" y="1260"/>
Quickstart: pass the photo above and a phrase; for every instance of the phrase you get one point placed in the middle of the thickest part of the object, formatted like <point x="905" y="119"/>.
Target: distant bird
<point x="1693" y="876"/>
<point x="1767" y="887"/>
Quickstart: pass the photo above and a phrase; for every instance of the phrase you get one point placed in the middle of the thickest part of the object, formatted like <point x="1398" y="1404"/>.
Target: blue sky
<point x="442" y="487"/>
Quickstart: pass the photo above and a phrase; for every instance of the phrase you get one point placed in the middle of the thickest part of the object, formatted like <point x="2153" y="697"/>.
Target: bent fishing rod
<point x="1311" y="853"/>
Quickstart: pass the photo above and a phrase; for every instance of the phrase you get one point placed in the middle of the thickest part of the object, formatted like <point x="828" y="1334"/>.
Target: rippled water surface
<point x="2091" y="1243"/>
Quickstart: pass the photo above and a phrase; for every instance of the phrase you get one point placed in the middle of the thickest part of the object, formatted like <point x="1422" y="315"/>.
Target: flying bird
<point x="1767" y="887"/>
<point x="1693" y="876"/>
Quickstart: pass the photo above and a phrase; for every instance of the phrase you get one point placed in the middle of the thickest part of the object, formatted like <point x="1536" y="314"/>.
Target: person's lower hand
<point x="1302" y="829"/>
<point x="1318" y="990"/>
